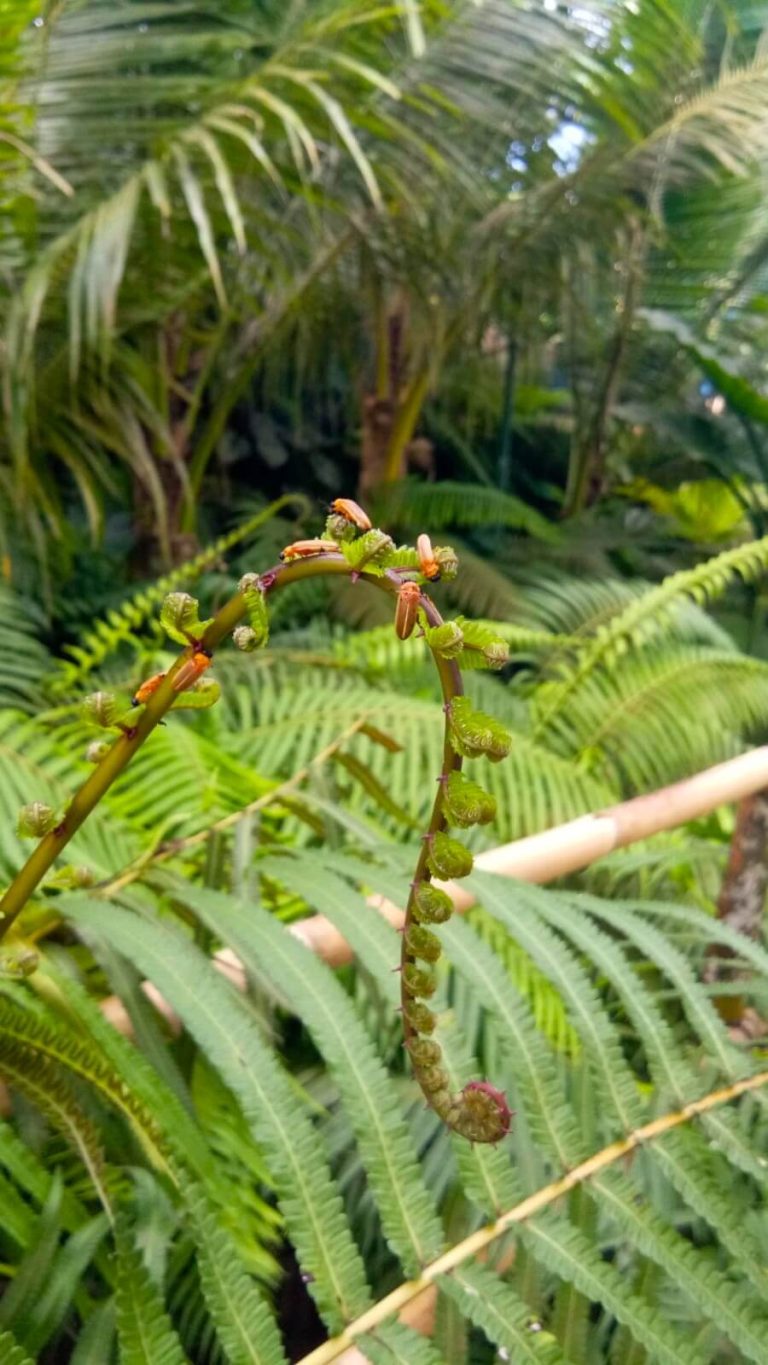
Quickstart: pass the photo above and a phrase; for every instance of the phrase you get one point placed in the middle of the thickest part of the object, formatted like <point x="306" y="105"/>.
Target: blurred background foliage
<point x="500" y="270"/>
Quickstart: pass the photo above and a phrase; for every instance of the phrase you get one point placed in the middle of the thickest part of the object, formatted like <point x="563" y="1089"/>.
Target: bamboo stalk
<point x="340" y="1347"/>
<point x="567" y="848"/>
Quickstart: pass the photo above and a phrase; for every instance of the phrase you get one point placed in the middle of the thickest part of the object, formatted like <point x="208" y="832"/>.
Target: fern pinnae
<point x="573" y="1257"/>
<point x="216" y="1016"/>
<point x="11" y="1352"/>
<point x="493" y="1305"/>
<point x="410" y="1223"/>
<point x="144" y="1330"/>
<point x="395" y="1343"/>
<point x="551" y="1116"/>
<point x="634" y="624"/>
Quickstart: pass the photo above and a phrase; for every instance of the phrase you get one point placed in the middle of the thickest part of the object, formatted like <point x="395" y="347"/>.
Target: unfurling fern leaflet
<point x="352" y="547"/>
<point x="479" y="1112"/>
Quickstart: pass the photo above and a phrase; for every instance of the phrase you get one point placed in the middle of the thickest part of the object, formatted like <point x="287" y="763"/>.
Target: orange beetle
<point x="427" y="562"/>
<point x="352" y="511"/>
<point x="303" y="549"/>
<point x="191" y="670"/>
<point x="407" y="610"/>
<point x="144" y="692"/>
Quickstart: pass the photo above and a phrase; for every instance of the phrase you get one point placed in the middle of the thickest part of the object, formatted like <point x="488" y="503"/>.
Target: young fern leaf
<point x="480" y="1111"/>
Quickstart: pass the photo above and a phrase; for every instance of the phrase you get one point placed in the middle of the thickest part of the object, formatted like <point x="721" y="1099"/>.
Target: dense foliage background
<point x="499" y="271"/>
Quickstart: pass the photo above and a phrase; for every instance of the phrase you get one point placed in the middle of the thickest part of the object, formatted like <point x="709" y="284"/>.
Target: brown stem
<point x="742" y="896"/>
<point x="126" y="745"/>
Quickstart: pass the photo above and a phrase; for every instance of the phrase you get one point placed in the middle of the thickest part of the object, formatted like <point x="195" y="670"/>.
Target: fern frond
<point x="506" y="1319"/>
<point x="120" y="626"/>
<point x="563" y="1250"/>
<point x="244" y="1325"/>
<point x="222" y="1024"/>
<point x="641" y="618"/>
<point x="415" y="506"/>
<point x="410" y="1225"/>
<point x="11" y="1353"/>
<point x="144" y="1330"/>
<point x="394" y="1343"/>
<point x="662" y="712"/>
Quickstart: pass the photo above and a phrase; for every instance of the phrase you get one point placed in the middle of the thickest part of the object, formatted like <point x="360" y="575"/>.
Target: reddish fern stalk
<point x="479" y="1112"/>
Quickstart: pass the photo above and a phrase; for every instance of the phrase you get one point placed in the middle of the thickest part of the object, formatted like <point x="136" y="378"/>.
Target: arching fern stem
<point x="479" y="1112"/>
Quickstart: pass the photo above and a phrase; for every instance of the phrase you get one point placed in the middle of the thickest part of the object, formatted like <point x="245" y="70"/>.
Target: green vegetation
<point x="497" y="270"/>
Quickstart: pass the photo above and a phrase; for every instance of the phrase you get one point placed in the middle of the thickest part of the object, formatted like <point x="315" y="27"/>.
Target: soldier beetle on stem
<point x="303" y="549"/>
<point x="352" y="511"/>
<point x="427" y="562"/>
<point x="190" y="671"/>
<point x="407" y="610"/>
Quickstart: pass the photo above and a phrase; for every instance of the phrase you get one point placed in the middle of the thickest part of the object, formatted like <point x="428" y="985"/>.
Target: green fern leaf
<point x="506" y="1319"/>
<point x="396" y="1344"/>
<point x="409" y="1220"/>
<point x="640" y="618"/>
<point x="572" y="1257"/>
<point x="440" y="505"/>
<point x="144" y="1331"/>
<point x="11" y="1353"/>
<point x="221" y="1023"/>
<point x="244" y="1325"/>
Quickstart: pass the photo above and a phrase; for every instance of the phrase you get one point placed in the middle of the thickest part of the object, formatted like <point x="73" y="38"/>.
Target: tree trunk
<point x="742" y="897"/>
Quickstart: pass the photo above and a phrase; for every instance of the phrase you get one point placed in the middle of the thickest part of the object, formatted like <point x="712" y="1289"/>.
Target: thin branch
<point x="542" y="1199"/>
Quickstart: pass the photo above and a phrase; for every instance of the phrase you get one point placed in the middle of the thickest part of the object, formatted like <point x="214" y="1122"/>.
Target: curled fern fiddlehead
<point x="350" y="546"/>
<point x="479" y="1112"/>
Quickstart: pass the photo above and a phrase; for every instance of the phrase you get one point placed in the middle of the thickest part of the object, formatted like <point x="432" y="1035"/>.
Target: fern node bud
<point x="35" y="820"/>
<point x="258" y="617"/>
<point x="448" y="858"/>
<point x="483" y="1114"/>
<point x="249" y="580"/>
<point x="18" y="960"/>
<point x="447" y="561"/>
<point x="418" y="982"/>
<point x="100" y="708"/>
<point x="433" y="1078"/>
<point x="419" y="1016"/>
<point x="97" y="749"/>
<point x="180" y="618"/>
<point x="245" y="639"/>
<point x="431" y="905"/>
<point x="474" y="734"/>
<point x="446" y="640"/>
<point x="496" y="654"/>
<point x="82" y="877"/>
<point x="421" y="942"/>
<point x="465" y="803"/>
<point x="339" y="529"/>
<point x="424" y="1052"/>
<point x="368" y="549"/>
